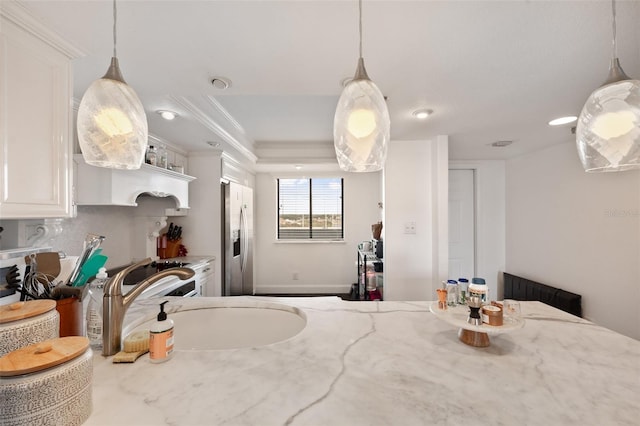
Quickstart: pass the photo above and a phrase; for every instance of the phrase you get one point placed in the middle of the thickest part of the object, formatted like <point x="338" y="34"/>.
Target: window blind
<point x="310" y="209"/>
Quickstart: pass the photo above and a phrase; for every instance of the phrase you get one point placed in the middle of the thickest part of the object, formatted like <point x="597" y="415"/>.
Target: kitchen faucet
<point x="115" y="305"/>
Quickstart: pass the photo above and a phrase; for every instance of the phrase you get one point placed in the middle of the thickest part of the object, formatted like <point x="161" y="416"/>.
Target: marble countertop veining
<point x="380" y="363"/>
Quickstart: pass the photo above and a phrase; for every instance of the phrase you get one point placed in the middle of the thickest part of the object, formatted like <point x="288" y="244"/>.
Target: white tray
<point x="457" y="316"/>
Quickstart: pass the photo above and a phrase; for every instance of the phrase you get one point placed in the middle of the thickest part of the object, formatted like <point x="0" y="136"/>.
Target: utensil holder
<point x="70" y="310"/>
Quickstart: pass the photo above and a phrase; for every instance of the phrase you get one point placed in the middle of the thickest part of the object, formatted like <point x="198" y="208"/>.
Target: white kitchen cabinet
<point x="205" y="279"/>
<point x="35" y="118"/>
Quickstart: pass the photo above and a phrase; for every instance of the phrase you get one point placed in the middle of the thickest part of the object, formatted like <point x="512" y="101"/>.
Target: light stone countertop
<point x="380" y="363"/>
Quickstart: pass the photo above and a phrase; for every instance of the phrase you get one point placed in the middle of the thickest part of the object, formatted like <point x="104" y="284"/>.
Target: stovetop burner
<point x="143" y="272"/>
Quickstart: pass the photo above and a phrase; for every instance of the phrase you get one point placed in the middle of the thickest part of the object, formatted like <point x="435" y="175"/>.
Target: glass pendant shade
<point x="361" y="125"/>
<point x="112" y="125"/>
<point x="608" y="130"/>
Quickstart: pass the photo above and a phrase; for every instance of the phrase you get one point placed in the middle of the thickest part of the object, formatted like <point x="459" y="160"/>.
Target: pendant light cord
<point x="360" y="22"/>
<point x="115" y="18"/>
<point x="613" y="25"/>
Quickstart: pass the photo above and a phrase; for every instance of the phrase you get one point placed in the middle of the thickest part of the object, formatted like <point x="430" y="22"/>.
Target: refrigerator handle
<point x="243" y="239"/>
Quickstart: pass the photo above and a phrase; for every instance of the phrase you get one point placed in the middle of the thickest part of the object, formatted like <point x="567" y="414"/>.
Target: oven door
<point x="187" y="289"/>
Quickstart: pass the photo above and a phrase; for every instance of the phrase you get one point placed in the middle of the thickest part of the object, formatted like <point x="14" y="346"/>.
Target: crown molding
<point x="211" y="124"/>
<point x="16" y="12"/>
<point x="225" y="114"/>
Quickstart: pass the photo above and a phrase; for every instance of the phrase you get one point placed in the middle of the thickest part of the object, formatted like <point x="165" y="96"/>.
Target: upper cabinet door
<point x="35" y="125"/>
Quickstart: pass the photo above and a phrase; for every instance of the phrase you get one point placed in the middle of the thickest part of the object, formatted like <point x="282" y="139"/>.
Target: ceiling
<point x="490" y="70"/>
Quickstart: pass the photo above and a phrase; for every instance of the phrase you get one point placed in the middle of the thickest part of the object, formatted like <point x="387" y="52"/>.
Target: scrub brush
<point x="135" y="345"/>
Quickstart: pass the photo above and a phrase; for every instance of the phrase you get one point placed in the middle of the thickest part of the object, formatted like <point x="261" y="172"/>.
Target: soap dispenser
<point x="161" y="337"/>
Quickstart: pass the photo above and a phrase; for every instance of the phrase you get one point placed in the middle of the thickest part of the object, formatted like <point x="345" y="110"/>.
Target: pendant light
<point x="608" y="130"/>
<point x="361" y="122"/>
<point x="112" y="124"/>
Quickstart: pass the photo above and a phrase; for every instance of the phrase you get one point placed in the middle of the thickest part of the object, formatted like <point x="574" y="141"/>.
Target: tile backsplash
<point x="116" y="223"/>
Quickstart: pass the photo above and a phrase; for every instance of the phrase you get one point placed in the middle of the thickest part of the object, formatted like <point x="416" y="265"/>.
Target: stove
<point x="144" y="272"/>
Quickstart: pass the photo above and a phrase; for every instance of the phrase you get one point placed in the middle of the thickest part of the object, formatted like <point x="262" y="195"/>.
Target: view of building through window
<point x="310" y="209"/>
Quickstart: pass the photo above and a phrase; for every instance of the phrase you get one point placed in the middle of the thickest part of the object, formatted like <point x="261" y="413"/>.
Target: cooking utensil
<point x="89" y="269"/>
<point x="36" y="285"/>
<point x="48" y="263"/>
<point x="23" y="289"/>
<point x="13" y="277"/>
<point x="91" y="244"/>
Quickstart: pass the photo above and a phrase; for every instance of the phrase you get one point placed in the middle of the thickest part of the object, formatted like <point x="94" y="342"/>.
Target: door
<point x="461" y="224"/>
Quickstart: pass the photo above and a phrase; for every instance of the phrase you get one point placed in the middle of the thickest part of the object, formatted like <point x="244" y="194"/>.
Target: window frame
<point x="310" y="238"/>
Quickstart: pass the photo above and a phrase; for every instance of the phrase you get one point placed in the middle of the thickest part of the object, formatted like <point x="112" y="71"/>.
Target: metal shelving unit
<point x="367" y="258"/>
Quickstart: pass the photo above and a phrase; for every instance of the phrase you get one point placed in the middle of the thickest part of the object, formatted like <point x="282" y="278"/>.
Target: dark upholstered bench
<point x="519" y="288"/>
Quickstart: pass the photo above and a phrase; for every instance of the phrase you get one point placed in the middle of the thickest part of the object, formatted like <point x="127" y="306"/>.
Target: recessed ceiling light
<point x="422" y="113"/>
<point x="221" y="83"/>
<point x="563" y="120"/>
<point x="501" y="144"/>
<point x="298" y="166"/>
<point x="167" y="115"/>
<point x="213" y="144"/>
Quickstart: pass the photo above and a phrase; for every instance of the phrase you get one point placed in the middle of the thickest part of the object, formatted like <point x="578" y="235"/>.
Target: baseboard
<point x="303" y="289"/>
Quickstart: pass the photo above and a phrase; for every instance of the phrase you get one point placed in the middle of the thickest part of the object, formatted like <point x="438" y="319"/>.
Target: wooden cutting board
<point x="43" y="355"/>
<point x="48" y="263"/>
<point x="21" y="310"/>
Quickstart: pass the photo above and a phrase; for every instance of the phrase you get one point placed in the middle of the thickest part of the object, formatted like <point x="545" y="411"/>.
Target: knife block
<point x="168" y="249"/>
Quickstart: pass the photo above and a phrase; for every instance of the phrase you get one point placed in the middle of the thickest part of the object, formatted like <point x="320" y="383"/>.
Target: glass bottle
<point x="152" y="156"/>
<point x="452" y="292"/>
<point x="162" y="157"/>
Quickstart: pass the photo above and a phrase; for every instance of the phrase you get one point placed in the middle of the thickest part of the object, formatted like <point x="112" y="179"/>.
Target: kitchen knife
<point x="170" y="231"/>
<point x="179" y="233"/>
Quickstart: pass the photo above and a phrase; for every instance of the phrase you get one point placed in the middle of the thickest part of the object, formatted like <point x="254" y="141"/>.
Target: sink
<point x="235" y="326"/>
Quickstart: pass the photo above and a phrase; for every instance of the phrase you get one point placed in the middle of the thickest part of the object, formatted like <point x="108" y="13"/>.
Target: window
<point x="310" y="209"/>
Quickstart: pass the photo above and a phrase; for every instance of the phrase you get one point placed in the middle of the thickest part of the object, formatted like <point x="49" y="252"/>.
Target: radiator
<point x="519" y="288"/>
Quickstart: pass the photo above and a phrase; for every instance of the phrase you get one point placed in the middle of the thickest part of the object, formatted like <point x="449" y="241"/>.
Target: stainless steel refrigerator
<point x="237" y="231"/>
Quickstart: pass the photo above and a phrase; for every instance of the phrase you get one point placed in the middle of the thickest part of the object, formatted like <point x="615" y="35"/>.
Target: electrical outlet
<point x="295" y="276"/>
<point x="409" y="227"/>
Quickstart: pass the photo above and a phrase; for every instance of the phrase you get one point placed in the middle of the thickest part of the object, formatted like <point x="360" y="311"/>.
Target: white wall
<point x="577" y="231"/>
<point x="416" y="191"/>
<point x="490" y="221"/>
<point x="202" y="225"/>
<point x="322" y="267"/>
